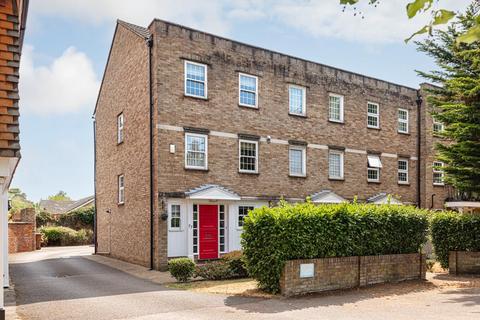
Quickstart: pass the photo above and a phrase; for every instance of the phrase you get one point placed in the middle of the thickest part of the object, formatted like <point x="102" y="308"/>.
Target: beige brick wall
<point x="125" y="232"/>
<point x="222" y="113"/>
<point x="428" y="156"/>
<point x="349" y="272"/>
<point x="464" y="262"/>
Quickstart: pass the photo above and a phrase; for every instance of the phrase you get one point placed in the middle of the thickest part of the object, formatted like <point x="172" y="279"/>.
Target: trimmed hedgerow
<point x="453" y="231"/>
<point x="272" y="236"/>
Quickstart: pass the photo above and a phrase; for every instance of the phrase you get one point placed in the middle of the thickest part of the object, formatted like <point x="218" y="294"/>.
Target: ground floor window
<point x="242" y="213"/>
<point x="175" y="221"/>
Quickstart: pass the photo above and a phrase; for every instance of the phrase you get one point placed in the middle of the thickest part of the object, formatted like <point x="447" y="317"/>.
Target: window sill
<point x="196" y="169"/>
<point x="336" y="179"/>
<point x="297" y="115"/>
<point x="121" y="204"/>
<point x="195" y="97"/>
<point x="374" y="128"/>
<point x="439" y="184"/>
<point x="404" y="184"/>
<point x="374" y="182"/>
<point x="249" y="173"/>
<point x="404" y="133"/>
<point x="297" y="176"/>
<point x="248" y="106"/>
<point x="336" y="121"/>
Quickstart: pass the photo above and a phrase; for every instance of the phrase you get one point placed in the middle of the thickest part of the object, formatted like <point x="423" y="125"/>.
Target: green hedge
<point x="63" y="236"/>
<point x="79" y="219"/>
<point x="453" y="231"/>
<point x="273" y="235"/>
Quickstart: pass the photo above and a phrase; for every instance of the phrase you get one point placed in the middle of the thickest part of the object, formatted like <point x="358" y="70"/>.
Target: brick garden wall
<point x="350" y="272"/>
<point x="21" y="237"/>
<point x="464" y="262"/>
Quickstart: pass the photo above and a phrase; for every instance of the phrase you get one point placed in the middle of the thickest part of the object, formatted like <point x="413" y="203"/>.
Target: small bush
<point x="236" y="263"/>
<point x="430" y="264"/>
<point x="272" y="236"/>
<point x="452" y="231"/>
<point x="181" y="269"/>
<point x="214" y="270"/>
<point x="63" y="236"/>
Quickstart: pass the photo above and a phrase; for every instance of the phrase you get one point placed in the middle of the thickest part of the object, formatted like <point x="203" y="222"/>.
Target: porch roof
<point x="212" y="192"/>
<point x="327" y="196"/>
<point x="382" y="198"/>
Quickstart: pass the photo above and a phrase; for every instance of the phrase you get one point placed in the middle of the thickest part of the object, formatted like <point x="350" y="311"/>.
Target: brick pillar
<point x="452" y="262"/>
<point x="162" y="246"/>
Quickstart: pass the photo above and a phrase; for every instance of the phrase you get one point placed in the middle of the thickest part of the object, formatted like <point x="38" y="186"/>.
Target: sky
<point x="67" y="42"/>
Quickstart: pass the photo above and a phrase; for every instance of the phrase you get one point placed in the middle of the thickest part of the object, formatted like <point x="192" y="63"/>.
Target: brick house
<point x="13" y="16"/>
<point x="193" y="130"/>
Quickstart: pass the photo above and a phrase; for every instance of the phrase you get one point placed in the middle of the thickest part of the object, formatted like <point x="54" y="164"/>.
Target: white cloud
<point x="205" y="15"/>
<point x="385" y="23"/>
<point x="68" y="84"/>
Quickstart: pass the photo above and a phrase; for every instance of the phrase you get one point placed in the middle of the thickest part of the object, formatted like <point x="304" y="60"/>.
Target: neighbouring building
<point x="13" y="15"/>
<point x="57" y="208"/>
<point x="193" y="130"/>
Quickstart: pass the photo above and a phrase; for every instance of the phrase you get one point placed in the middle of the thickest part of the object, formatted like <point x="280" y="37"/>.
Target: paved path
<point x="61" y="283"/>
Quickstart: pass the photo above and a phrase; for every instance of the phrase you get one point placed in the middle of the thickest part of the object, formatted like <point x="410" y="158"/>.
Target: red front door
<point x="208" y="231"/>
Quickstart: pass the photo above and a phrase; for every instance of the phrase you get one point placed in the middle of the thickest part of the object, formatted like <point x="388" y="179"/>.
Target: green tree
<point x="439" y="16"/>
<point x="456" y="102"/>
<point x="60" y="196"/>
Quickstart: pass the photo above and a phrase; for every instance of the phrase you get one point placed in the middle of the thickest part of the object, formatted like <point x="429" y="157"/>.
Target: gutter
<point x="419" y="102"/>
<point x="150" y="92"/>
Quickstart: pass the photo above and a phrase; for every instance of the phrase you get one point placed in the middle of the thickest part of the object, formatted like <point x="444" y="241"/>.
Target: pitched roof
<point x="383" y="198"/>
<point x="141" y="31"/>
<point x="327" y="196"/>
<point x="213" y="192"/>
<point x="64" y="206"/>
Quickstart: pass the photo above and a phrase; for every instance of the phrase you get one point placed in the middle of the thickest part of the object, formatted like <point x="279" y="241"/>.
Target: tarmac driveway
<point x="63" y="283"/>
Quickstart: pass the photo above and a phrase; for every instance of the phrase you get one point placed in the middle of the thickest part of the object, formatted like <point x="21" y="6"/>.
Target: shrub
<point x="79" y="219"/>
<point x="236" y="263"/>
<point x="272" y="236"/>
<point x="63" y="236"/>
<point x="214" y="270"/>
<point x="181" y="269"/>
<point x="452" y="231"/>
<point x="43" y="218"/>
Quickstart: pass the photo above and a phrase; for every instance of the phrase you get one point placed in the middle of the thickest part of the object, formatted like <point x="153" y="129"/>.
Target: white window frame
<point x="170" y="217"/>
<point x="240" y="91"/>
<point x="121" y="188"/>
<point x="304" y="161"/>
<point x="402" y="171"/>
<point x="187" y="134"/>
<point x="304" y="100"/>
<point x="378" y="174"/>
<point x="240" y="227"/>
<point x="341" y="120"/>
<point x="240" y="155"/>
<point x="375" y="115"/>
<point x="120" y="128"/>
<point x="406" y="121"/>
<point x="205" y="83"/>
<point x="438" y="123"/>
<point x="435" y="170"/>
<point x="341" y="154"/>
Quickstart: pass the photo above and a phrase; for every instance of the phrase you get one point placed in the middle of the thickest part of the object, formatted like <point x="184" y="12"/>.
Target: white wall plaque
<point x="306" y="270"/>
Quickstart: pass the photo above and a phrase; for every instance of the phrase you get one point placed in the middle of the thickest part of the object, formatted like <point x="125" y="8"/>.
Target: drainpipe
<point x="150" y="92"/>
<point x="419" y="141"/>
<point x="433" y="196"/>
<point x="94" y="123"/>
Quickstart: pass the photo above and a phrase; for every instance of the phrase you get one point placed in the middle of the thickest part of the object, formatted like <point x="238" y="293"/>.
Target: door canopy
<point x="327" y="196"/>
<point x="383" y="198"/>
<point x="212" y="192"/>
